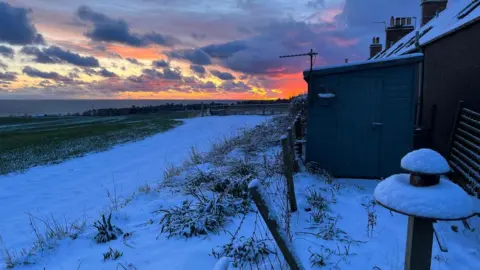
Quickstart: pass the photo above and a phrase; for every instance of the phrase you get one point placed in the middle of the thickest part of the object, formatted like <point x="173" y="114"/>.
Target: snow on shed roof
<point x="458" y="14"/>
<point x="367" y="63"/>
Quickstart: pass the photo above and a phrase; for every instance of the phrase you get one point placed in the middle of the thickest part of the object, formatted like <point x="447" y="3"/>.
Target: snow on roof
<point x="457" y="14"/>
<point x="425" y="161"/>
<point x="399" y="57"/>
<point x="444" y="201"/>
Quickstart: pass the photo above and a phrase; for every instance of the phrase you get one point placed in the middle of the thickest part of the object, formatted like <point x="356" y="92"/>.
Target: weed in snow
<point x="318" y="205"/>
<point x="112" y="254"/>
<point x="45" y="239"/>
<point x="201" y="218"/>
<point x="145" y="188"/>
<point x="315" y="169"/>
<point x="371" y="216"/>
<point x="244" y="251"/>
<point x="322" y="257"/>
<point x="105" y="230"/>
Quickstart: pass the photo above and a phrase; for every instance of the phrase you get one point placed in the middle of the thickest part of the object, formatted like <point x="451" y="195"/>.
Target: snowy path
<point x="79" y="185"/>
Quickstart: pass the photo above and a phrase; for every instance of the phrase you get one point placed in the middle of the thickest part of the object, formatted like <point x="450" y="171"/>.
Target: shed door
<point x="397" y="111"/>
<point x="358" y="137"/>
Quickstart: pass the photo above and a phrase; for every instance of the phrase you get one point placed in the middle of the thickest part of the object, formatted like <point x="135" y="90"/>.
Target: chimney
<point x="399" y="27"/>
<point x="375" y="47"/>
<point x="430" y="8"/>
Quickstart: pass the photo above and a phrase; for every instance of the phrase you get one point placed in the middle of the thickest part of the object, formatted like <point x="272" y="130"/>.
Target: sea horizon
<point x="32" y="107"/>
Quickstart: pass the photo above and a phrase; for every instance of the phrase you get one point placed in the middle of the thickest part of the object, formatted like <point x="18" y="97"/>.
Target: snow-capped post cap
<point x="425" y="167"/>
<point x="425" y="161"/>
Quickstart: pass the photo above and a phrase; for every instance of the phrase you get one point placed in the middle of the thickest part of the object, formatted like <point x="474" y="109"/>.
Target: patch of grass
<point x="105" y="230"/>
<point x="29" y="142"/>
<point x="112" y="254"/>
<point x="244" y="251"/>
<point x="201" y="218"/>
<point x="46" y="238"/>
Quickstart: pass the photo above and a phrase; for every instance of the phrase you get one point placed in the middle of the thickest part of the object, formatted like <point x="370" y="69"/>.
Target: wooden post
<point x="288" y="171"/>
<point x="291" y="145"/>
<point x="279" y="236"/>
<point x="419" y="243"/>
<point x="202" y="108"/>
<point x="298" y="128"/>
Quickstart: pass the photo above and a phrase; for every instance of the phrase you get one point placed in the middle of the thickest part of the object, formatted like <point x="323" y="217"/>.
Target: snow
<point x="222" y="264"/>
<point x="446" y="22"/>
<point x="78" y="187"/>
<point x="445" y="201"/>
<point x="476" y="205"/>
<point x="326" y="95"/>
<point x="254" y="184"/>
<point x="426" y="161"/>
<point x="146" y="248"/>
<point x="385" y="248"/>
<point x="367" y="62"/>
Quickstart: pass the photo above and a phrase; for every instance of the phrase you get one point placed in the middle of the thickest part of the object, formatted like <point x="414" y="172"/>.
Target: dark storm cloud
<point x="102" y="72"/>
<point x="160" y="63"/>
<point x="72" y="58"/>
<point x="225" y="76"/>
<point x="35" y="73"/>
<point x="151" y="74"/>
<point x="197" y="69"/>
<point x="195" y="56"/>
<point x="107" y="74"/>
<point x="6" y="51"/>
<point x="39" y="55"/>
<point x="225" y="50"/>
<point x="56" y="54"/>
<point x="16" y="27"/>
<point x="235" y="87"/>
<point x="170" y="74"/>
<point x="107" y="29"/>
<point x="134" y="61"/>
<point x="8" y="76"/>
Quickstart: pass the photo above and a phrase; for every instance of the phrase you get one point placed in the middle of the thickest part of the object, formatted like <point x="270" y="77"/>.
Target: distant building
<point x="449" y="38"/>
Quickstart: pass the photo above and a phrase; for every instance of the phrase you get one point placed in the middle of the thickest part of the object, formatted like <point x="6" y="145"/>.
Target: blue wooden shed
<point x="361" y="115"/>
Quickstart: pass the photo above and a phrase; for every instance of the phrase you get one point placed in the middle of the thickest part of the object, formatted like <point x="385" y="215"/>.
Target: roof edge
<point x="376" y="63"/>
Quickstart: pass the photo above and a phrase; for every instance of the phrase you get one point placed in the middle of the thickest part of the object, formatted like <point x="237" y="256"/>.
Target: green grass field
<point x="27" y="142"/>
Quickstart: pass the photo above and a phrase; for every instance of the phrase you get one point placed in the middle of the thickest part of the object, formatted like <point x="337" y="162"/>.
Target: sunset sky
<point x="179" y="49"/>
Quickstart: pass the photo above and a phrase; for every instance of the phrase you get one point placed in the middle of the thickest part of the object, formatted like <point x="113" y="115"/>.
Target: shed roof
<point x="456" y="16"/>
<point x="355" y="66"/>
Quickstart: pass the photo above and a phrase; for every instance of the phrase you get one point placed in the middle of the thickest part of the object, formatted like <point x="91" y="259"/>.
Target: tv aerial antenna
<point x="311" y="54"/>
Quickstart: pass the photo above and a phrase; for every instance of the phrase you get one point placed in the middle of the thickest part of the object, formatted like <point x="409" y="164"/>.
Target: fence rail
<point x="261" y="109"/>
<point x="465" y="149"/>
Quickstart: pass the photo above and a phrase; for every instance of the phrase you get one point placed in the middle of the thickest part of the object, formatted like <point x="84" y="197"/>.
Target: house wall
<point x="451" y="74"/>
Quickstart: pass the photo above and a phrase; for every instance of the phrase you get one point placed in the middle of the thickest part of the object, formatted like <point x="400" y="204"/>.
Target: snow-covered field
<point x="337" y="225"/>
<point x="78" y="187"/>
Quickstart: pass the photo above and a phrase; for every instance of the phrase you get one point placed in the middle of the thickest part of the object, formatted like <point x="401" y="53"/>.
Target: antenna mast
<point x="311" y="54"/>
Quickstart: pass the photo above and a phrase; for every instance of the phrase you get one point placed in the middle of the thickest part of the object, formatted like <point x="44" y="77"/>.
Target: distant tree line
<point x="169" y="107"/>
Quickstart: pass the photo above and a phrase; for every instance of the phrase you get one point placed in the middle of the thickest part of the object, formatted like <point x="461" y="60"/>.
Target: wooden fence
<point x="465" y="150"/>
<point x="256" y="109"/>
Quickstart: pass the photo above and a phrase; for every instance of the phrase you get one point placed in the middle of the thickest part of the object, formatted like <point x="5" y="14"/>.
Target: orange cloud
<point x="148" y="53"/>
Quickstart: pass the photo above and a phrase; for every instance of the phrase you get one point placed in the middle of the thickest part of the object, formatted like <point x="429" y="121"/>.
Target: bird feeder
<point x="425" y="195"/>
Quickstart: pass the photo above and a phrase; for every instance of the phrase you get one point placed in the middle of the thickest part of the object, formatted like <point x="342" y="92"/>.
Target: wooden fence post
<point x="291" y="144"/>
<point x="278" y="234"/>
<point x="202" y="109"/>
<point x="288" y="171"/>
